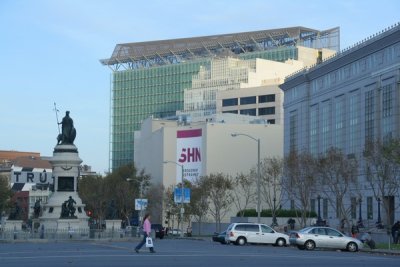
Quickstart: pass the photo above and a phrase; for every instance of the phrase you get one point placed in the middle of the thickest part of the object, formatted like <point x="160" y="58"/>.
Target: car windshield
<point x="266" y="229"/>
<point x="304" y="230"/>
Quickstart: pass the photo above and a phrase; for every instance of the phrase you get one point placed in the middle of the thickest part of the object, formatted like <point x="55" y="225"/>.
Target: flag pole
<point x="56" y="111"/>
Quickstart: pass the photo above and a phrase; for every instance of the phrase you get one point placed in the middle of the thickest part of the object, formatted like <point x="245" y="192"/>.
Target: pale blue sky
<point x="50" y="51"/>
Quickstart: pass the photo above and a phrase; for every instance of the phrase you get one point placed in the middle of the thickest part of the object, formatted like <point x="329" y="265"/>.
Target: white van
<point x="242" y="233"/>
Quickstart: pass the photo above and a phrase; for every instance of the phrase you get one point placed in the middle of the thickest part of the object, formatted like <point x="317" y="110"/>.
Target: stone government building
<point x="342" y="102"/>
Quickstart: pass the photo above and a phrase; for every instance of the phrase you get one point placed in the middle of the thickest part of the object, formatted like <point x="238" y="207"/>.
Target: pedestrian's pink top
<point x="147" y="226"/>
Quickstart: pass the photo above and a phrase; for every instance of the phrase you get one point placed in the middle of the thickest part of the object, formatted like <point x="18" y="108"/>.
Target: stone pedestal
<point x="11" y="225"/>
<point x="65" y="162"/>
<point x="113" y="225"/>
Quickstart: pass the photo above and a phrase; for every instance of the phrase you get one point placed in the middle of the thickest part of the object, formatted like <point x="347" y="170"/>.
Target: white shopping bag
<point x="149" y="242"/>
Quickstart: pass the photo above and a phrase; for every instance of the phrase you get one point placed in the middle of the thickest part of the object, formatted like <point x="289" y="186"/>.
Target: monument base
<point x="113" y="225"/>
<point x="51" y="217"/>
<point x="11" y="225"/>
<point x="64" y="210"/>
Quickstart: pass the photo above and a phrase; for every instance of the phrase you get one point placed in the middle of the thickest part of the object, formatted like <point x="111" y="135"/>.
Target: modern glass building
<point x="149" y="78"/>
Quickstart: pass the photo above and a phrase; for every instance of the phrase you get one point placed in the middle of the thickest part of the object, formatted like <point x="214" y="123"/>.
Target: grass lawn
<point x="386" y="246"/>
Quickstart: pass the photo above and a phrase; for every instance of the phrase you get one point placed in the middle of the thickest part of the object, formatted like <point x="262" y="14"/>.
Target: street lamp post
<point x="274" y="222"/>
<point x="379" y="222"/>
<point x="182" y="189"/>
<point x="360" y="223"/>
<point x="319" y="220"/>
<point x="258" y="172"/>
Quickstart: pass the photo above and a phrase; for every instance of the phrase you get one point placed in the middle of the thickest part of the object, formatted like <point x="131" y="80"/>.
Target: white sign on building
<point x="140" y="203"/>
<point x="31" y="175"/>
<point x="188" y="149"/>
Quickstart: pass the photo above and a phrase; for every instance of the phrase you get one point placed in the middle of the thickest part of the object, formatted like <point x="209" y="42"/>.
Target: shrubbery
<point x="279" y="213"/>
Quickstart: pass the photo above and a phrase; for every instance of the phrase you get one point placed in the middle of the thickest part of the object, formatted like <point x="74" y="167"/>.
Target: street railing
<point x="67" y="234"/>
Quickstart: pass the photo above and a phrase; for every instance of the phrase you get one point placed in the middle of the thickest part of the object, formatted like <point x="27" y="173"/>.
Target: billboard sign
<point x="188" y="148"/>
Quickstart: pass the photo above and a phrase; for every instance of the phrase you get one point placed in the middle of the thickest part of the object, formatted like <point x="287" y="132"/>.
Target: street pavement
<point x="178" y="252"/>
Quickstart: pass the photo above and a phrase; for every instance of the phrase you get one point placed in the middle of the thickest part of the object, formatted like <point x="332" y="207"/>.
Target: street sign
<point x="178" y="195"/>
<point x="140" y="203"/>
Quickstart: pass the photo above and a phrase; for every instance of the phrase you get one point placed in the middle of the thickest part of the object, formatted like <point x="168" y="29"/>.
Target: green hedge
<point x="279" y="213"/>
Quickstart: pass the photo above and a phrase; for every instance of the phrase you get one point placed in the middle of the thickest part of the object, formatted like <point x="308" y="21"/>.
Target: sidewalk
<point x="381" y="251"/>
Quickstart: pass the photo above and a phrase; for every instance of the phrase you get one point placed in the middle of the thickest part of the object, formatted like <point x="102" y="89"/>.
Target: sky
<point x="50" y="52"/>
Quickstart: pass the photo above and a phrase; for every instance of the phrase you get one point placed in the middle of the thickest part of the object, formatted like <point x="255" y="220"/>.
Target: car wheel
<point x="309" y="245"/>
<point x="241" y="241"/>
<point x="301" y="247"/>
<point x="352" y="247"/>
<point x="280" y="242"/>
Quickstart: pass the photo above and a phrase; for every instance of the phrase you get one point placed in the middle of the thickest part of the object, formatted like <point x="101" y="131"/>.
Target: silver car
<point x="242" y="233"/>
<point x="323" y="237"/>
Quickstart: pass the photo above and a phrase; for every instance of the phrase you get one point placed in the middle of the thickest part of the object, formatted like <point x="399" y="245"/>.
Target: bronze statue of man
<point x="68" y="132"/>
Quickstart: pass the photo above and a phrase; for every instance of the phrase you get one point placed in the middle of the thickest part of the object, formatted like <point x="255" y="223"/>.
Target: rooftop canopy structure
<point x="164" y="52"/>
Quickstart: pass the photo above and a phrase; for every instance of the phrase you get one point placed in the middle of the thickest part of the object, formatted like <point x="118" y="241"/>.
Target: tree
<point x="337" y="175"/>
<point x="171" y="206"/>
<point x="121" y="186"/>
<point x="91" y="190"/>
<point x="155" y="196"/>
<point x="299" y="181"/>
<point x="270" y="184"/>
<point x="198" y="206"/>
<point x="382" y="169"/>
<point x="244" y="193"/>
<point x="219" y="188"/>
<point x="5" y="194"/>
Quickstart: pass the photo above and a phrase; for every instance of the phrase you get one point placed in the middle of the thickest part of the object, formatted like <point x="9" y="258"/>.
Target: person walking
<point x="395" y="232"/>
<point x="146" y="233"/>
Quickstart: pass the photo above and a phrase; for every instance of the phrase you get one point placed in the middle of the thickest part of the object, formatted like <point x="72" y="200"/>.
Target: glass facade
<point x="141" y="93"/>
<point x="314" y="130"/>
<point x="326" y="125"/>
<point x="266" y="98"/>
<point x="340" y="117"/>
<point x="369" y="115"/>
<point x="293" y="131"/>
<point x="354" y="120"/>
<point x="387" y="112"/>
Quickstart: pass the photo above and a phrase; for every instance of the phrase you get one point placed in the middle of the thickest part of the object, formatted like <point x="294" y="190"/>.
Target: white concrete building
<point x="159" y="141"/>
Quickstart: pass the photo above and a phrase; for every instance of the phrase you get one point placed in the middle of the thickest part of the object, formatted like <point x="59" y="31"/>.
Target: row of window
<point x="369" y="63"/>
<point x="248" y="100"/>
<point x="253" y="111"/>
<point x="354" y="206"/>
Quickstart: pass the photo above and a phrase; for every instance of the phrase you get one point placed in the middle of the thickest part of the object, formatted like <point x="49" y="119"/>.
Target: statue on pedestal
<point x="68" y="132"/>
<point x="68" y="209"/>
<point x="16" y="213"/>
<point x="37" y="209"/>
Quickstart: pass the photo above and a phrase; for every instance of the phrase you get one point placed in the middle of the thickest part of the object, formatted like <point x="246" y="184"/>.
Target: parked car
<point x="242" y="233"/>
<point x="219" y="237"/>
<point x="175" y="232"/>
<point x="159" y="230"/>
<point x="323" y="237"/>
